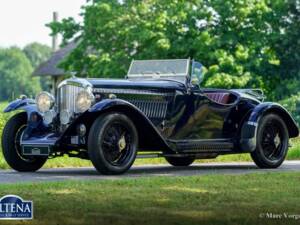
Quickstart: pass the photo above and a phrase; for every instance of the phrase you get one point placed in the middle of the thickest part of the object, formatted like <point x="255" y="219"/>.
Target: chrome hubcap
<point x="277" y="141"/>
<point x="122" y="143"/>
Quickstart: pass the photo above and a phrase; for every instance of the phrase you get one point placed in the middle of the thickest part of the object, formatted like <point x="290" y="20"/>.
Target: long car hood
<point x="166" y="85"/>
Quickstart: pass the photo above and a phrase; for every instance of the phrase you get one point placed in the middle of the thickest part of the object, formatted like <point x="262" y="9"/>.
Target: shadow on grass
<point x="155" y="170"/>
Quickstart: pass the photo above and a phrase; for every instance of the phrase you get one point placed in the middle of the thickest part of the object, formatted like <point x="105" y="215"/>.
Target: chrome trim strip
<point x="78" y="82"/>
<point x="150" y="75"/>
<point x="129" y="91"/>
<point x="252" y="123"/>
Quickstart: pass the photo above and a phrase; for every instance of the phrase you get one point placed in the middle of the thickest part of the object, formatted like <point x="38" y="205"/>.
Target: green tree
<point x="15" y="74"/>
<point x="285" y="41"/>
<point x="234" y="39"/>
<point x="38" y="53"/>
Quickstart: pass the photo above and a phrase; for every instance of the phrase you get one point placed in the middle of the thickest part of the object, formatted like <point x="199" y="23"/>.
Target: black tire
<point x="112" y="143"/>
<point x="272" y="142"/>
<point x="180" y="161"/>
<point x="11" y="146"/>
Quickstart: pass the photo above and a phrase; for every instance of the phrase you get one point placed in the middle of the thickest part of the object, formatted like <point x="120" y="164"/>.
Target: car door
<point x="210" y="118"/>
<point x="197" y="117"/>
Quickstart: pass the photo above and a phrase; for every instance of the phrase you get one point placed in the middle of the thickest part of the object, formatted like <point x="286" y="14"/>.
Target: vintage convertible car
<point x="159" y="110"/>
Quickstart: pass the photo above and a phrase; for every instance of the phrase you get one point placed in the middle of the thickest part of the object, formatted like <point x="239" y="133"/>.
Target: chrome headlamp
<point x="84" y="100"/>
<point x="49" y="116"/>
<point x="65" y="117"/>
<point x="44" y="101"/>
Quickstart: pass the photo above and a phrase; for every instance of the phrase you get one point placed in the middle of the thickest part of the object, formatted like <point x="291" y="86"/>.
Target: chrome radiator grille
<point x="67" y="97"/>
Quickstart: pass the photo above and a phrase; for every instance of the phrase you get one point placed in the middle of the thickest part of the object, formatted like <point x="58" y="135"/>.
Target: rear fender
<point x="249" y="129"/>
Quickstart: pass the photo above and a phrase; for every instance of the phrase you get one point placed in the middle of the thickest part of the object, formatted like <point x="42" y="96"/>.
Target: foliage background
<point x="16" y="67"/>
<point x="242" y="43"/>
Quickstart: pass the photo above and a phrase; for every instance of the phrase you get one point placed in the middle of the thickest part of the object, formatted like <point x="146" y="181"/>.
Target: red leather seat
<point x="219" y="97"/>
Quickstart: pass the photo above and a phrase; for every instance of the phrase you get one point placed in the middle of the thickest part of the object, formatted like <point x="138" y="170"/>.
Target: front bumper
<point x="39" y="146"/>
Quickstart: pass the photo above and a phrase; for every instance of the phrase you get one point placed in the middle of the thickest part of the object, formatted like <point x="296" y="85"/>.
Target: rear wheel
<point x="12" y="152"/>
<point x="112" y="143"/>
<point x="272" y="142"/>
<point x="180" y="161"/>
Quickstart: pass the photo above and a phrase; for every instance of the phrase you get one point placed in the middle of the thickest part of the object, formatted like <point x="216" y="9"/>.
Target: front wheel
<point x="11" y="138"/>
<point x="272" y="142"/>
<point x="112" y="143"/>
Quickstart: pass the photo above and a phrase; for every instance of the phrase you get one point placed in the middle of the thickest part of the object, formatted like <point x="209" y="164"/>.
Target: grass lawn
<point x="209" y="199"/>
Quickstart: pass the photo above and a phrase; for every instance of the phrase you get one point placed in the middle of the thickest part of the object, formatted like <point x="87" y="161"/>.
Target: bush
<point x="292" y="104"/>
<point x="4" y="117"/>
<point x="2" y="123"/>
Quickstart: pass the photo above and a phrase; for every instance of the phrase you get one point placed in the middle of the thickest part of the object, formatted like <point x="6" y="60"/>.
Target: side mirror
<point x="196" y="75"/>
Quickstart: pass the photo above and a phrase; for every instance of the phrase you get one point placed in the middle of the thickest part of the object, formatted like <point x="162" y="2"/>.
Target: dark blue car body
<point x="169" y="116"/>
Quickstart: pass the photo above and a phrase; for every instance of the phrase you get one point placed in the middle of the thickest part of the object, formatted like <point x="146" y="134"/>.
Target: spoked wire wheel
<point x="117" y="143"/>
<point x="112" y="143"/>
<point x="272" y="142"/>
<point x="13" y="133"/>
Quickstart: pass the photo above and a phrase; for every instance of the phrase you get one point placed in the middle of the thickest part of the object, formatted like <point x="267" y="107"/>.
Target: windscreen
<point x="155" y="69"/>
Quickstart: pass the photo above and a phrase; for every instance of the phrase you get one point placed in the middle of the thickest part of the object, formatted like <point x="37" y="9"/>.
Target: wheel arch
<point x="275" y="108"/>
<point x="250" y="126"/>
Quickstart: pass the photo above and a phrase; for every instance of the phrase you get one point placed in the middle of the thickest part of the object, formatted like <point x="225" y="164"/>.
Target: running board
<point x="205" y="145"/>
<point x="199" y="155"/>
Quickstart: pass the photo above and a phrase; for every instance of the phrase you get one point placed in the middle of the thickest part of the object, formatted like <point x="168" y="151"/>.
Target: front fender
<point x="249" y="129"/>
<point x="26" y="104"/>
<point x="34" y="117"/>
<point x="149" y="136"/>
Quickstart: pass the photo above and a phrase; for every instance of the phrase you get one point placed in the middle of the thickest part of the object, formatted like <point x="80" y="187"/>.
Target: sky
<point x="23" y="21"/>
